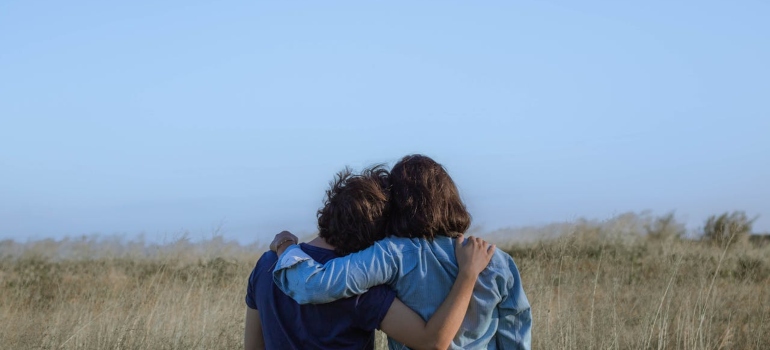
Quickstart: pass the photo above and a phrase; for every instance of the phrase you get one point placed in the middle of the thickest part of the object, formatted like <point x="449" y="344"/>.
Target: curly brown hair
<point x="353" y="216"/>
<point x="424" y="201"/>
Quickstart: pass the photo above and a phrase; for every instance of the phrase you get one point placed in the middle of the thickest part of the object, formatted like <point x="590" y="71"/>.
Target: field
<point x="603" y="285"/>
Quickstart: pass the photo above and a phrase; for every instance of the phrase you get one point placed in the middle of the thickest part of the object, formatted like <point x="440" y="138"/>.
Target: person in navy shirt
<point x="350" y="220"/>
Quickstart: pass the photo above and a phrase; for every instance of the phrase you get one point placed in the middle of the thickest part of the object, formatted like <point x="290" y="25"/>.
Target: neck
<point x="321" y="243"/>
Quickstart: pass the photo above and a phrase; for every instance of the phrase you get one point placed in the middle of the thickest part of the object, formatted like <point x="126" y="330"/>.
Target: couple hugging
<point x="389" y="255"/>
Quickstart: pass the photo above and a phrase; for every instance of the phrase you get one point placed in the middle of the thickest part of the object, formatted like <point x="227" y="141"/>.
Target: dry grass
<point x="646" y="295"/>
<point x="593" y="288"/>
<point x="178" y="296"/>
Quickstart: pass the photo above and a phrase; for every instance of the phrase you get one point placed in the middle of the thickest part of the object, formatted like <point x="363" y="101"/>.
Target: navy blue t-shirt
<point x="342" y="324"/>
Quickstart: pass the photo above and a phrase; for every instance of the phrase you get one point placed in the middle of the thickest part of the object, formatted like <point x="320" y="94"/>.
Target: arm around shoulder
<point x="307" y="281"/>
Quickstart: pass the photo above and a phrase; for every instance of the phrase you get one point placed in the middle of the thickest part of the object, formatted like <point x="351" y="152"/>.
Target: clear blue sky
<point x="162" y="116"/>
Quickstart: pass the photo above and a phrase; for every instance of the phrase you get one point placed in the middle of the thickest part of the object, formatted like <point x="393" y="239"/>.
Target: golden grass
<point x="647" y="295"/>
<point x="588" y="290"/>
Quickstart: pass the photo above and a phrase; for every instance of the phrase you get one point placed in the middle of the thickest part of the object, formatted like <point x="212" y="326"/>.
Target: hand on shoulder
<point x="473" y="255"/>
<point x="282" y="240"/>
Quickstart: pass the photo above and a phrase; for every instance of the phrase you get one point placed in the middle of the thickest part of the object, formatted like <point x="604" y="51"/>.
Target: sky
<point x="160" y="117"/>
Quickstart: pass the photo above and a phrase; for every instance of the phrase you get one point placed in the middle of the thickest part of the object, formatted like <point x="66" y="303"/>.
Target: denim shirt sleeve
<point x="515" y="328"/>
<point x="308" y="282"/>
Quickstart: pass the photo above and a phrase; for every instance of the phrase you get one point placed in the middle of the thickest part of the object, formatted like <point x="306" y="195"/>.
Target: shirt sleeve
<point x="251" y="301"/>
<point x="515" y="328"/>
<point x="251" y="289"/>
<point x="309" y="282"/>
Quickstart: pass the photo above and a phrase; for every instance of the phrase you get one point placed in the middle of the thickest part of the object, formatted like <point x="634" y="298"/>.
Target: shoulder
<point x="259" y="277"/>
<point x="501" y="259"/>
<point x="265" y="263"/>
<point x="267" y="257"/>
<point x="502" y="264"/>
<point x="263" y="270"/>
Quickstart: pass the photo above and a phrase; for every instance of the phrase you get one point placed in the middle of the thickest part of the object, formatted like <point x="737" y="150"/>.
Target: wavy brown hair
<point x="424" y="201"/>
<point x="353" y="216"/>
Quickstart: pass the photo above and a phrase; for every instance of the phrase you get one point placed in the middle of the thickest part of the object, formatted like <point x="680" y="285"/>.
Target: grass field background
<point x="602" y="285"/>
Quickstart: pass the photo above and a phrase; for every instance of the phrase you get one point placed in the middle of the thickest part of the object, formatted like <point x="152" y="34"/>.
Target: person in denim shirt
<point x="417" y="261"/>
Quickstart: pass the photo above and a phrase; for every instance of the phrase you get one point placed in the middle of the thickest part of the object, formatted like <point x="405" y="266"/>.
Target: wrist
<point x="282" y="243"/>
<point x="285" y="244"/>
<point x="467" y="273"/>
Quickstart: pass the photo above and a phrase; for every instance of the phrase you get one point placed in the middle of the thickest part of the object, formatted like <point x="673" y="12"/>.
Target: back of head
<point x="354" y="210"/>
<point x="424" y="201"/>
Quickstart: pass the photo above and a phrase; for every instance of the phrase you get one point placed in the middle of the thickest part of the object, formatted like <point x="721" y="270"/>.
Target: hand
<point x="474" y="255"/>
<point x="281" y="239"/>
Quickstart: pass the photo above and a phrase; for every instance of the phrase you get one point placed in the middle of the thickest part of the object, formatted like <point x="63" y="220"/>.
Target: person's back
<point x="343" y="324"/>
<point x="429" y="268"/>
<point x="422" y="272"/>
<point x="426" y="211"/>
<point x="425" y="214"/>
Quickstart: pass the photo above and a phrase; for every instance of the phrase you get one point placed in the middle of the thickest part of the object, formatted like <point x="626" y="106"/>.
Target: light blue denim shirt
<point x="421" y="272"/>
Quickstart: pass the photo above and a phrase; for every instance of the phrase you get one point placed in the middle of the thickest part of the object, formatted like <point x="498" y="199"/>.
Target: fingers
<point x="479" y="243"/>
<point x="473" y="242"/>
<point x="491" y="249"/>
<point x="286" y="234"/>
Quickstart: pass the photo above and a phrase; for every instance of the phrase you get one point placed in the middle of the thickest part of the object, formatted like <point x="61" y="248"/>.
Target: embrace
<point x="390" y="254"/>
